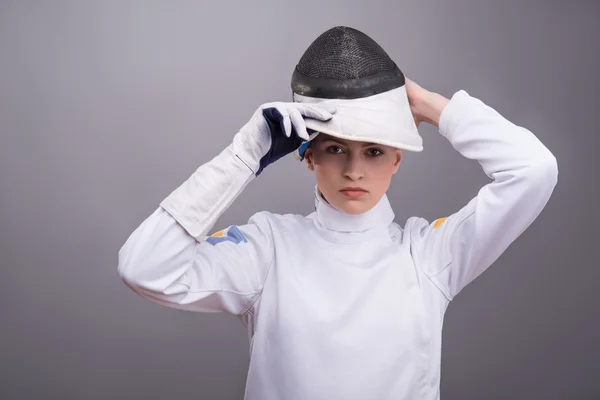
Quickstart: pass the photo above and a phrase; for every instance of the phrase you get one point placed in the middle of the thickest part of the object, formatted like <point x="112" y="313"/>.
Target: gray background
<point x="106" y="107"/>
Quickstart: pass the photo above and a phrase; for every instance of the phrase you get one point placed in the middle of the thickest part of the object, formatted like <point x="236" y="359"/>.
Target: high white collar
<point x="354" y="226"/>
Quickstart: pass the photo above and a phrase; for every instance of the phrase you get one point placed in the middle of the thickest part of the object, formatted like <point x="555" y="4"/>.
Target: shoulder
<point x="280" y="220"/>
<point x="416" y="227"/>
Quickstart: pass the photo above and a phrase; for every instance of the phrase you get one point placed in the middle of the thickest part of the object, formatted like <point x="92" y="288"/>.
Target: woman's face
<point x="341" y="165"/>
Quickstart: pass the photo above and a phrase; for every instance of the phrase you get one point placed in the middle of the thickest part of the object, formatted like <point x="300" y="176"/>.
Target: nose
<point x="353" y="168"/>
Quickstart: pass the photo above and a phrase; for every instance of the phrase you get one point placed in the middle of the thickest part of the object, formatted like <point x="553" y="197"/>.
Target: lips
<point x="353" y="192"/>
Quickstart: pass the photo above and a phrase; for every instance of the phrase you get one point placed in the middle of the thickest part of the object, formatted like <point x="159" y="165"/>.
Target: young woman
<point x="343" y="303"/>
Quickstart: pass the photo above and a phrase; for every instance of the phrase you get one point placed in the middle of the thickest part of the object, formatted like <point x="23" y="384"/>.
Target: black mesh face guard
<point x="344" y="63"/>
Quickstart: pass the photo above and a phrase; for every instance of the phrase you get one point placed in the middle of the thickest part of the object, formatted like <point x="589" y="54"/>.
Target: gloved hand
<point x="276" y="129"/>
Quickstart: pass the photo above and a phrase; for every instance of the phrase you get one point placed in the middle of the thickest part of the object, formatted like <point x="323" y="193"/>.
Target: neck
<point x="332" y="219"/>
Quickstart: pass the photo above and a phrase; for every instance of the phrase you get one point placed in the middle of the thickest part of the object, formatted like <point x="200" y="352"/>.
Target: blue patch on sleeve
<point x="233" y="235"/>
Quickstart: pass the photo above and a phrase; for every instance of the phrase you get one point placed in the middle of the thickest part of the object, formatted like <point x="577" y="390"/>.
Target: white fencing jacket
<point x="339" y="306"/>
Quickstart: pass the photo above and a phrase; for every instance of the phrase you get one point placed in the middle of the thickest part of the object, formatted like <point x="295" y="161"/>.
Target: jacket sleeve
<point x="455" y="250"/>
<point x="169" y="259"/>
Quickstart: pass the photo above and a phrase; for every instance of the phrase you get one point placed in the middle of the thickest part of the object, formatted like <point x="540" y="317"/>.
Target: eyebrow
<point x="338" y="141"/>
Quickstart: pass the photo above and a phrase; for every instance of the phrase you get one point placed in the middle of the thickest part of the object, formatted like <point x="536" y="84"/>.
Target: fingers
<point x="322" y="111"/>
<point x="293" y="114"/>
<point x="299" y="124"/>
<point x="287" y="123"/>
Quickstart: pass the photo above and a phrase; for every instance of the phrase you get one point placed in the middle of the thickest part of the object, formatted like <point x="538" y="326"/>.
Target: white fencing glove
<point x="276" y="129"/>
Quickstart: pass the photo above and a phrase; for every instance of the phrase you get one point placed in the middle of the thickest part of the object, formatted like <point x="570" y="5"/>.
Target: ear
<point x="308" y="158"/>
<point x="398" y="160"/>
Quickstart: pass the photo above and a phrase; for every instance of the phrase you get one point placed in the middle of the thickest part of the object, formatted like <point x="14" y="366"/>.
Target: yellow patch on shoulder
<point x="218" y="234"/>
<point x="438" y="222"/>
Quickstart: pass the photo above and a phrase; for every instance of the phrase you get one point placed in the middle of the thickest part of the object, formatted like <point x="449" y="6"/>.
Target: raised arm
<point x="456" y="249"/>
<point x="169" y="260"/>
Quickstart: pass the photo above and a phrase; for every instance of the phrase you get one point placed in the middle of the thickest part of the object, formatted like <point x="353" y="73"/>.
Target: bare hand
<point x="425" y="106"/>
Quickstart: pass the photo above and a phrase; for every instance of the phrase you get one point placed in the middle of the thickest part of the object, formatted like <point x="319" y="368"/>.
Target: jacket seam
<point x="258" y="294"/>
<point x="433" y="280"/>
<point x="270" y="268"/>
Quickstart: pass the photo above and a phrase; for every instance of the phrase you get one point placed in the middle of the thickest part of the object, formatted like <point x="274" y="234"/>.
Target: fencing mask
<point x="346" y="68"/>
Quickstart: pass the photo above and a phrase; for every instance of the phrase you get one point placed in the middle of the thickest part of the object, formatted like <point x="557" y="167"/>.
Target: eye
<point x="334" y="149"/>
<point x="374" y="152"/>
